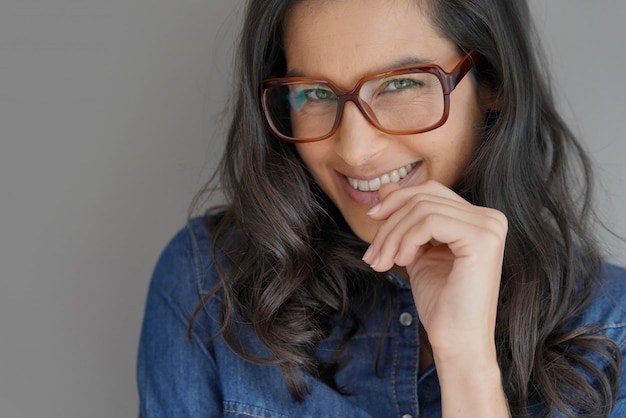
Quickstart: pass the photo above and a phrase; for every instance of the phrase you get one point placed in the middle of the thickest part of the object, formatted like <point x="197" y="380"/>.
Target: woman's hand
<point x="452" y="252"/>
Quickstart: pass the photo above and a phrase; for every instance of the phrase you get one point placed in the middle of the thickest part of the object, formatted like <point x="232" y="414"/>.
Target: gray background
<point x="110" y="120"/>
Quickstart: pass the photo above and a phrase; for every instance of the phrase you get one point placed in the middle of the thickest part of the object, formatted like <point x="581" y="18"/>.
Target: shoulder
<point x="187" y="261"/>
<point x="184" y="274"/>
<point x="183" y="277"/>
<point x="176" y="370"/>
<point x="608" y="304"/>
<point x="606" y="312"/>
<point x="607" y="308"/>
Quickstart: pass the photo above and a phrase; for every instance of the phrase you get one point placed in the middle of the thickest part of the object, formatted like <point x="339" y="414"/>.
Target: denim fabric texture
<point x="180" y="377"/>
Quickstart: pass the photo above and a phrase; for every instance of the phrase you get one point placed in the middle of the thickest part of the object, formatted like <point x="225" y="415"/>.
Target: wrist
<point x="471" y="385"/>
<point x="469" y="353"/>
<point x="473" y="366"/>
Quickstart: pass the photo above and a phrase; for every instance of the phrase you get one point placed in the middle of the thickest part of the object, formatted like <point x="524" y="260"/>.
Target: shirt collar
<point x="396" y="280"/>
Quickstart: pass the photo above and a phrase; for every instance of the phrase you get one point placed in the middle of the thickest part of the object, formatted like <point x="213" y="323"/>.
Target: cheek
<point x="464" y="136"/>
<point x="298" y="125"/>
<point x="313" y="156"/>
<point x="304" y="152"/>
<point x="454" y="147"/>
<point x="459" y="165"/>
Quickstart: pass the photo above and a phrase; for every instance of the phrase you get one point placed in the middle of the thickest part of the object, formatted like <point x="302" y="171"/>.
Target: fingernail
<point x="375" y="209"/>
<point x="368" y="253"/>
<point x="376" y="261"/>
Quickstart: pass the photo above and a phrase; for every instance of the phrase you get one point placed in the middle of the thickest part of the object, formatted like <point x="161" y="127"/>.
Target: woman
<point x="407" y="232"/>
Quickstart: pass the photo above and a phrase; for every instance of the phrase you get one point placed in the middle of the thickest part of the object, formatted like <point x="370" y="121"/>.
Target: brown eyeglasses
<point x="401" y="101"/>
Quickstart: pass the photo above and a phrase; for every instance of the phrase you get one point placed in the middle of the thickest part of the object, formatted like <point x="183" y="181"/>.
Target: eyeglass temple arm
<point x="466" y="64"/>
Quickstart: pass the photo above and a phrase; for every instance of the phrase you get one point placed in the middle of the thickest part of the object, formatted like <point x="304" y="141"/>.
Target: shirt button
<point x="406" y="319"/>
<point x="407" y="416"/>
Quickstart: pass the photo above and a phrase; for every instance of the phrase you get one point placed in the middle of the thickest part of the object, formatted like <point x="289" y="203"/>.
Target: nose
<point x="357" y="141"/>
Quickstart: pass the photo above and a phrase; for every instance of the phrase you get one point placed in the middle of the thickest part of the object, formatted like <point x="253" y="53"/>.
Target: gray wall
<point x="585" y="44"/>
<point x="110" y="120"/>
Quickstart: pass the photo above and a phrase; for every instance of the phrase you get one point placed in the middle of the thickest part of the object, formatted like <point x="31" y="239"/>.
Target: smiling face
<point x="344" y="40"/>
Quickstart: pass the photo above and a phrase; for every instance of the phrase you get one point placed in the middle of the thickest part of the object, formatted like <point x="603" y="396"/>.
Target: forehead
<point x="346" y="39"/>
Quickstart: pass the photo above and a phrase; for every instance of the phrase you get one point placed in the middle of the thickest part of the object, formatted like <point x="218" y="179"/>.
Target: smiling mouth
<point x="374" y="184"/>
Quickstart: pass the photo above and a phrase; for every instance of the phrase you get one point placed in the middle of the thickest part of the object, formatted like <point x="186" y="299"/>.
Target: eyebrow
<point x="403" y="62"/>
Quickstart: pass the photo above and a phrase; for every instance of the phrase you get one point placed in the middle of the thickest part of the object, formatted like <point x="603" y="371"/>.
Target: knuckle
<point x="431" y="219"/>
<point x="419" y="202"/>
<point x="497" y="220"/>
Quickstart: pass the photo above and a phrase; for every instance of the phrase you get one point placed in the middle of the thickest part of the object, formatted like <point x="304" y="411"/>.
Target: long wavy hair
<point x="296" y="266"/>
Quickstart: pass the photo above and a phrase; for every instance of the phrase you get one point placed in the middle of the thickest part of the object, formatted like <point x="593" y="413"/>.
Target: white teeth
<point x="374" y="184"/>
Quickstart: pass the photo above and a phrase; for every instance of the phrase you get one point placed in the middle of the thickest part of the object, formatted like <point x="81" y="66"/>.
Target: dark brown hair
<point x="296" y="266"/>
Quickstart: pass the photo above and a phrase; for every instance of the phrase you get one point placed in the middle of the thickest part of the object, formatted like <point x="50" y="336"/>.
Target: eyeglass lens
<point x="402" y="103"/>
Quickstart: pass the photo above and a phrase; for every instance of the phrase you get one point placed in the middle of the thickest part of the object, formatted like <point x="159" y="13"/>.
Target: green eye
<point x="319" y="94"/>
<point x="309" y="95"/>
<point x="402" y="83"/>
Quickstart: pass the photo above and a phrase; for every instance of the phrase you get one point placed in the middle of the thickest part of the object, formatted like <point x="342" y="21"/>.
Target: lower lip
<point x="371" y="198"/>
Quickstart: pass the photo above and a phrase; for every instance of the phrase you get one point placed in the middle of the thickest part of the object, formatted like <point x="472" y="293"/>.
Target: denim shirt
<point x="179" y="376"/>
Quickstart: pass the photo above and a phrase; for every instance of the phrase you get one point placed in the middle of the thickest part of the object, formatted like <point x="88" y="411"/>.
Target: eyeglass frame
<point x="449" y="81"/>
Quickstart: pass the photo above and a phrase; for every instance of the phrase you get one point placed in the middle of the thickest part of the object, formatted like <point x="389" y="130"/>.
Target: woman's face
<point x="343" y="40"/>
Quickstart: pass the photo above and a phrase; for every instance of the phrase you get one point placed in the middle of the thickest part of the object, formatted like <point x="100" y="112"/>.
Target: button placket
<point x="407" y="355"/>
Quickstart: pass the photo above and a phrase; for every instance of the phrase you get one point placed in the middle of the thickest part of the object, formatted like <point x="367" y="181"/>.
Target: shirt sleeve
<point x="176" y="374"/>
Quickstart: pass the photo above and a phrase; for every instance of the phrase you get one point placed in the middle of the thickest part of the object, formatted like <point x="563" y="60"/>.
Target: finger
<point x="401" y="221"/>
<point x="386" y="189"/>
<point x="383" y="192"/>
<point x="465" y="240"/>
<point x="401" y="236"/>
<point x="393" y="197"/>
